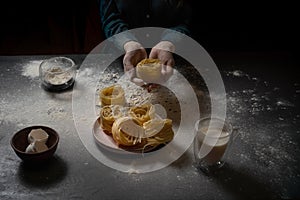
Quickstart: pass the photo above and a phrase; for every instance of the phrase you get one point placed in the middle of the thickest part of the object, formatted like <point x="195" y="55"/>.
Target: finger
<point x="171" y="62"/>
<point x="137" y="81"/>
<point x="131" y="74"/>
<point x="128" y="67"/>
<point x="167" y="72"/>
<point x="153" y="54"/>
<point x="167" y="69"/>
<point x="126" y="63"/>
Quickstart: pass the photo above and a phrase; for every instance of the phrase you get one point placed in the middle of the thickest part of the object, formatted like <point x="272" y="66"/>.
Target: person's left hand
<point x="134" y="53"/>
<point x="164" y="52"/>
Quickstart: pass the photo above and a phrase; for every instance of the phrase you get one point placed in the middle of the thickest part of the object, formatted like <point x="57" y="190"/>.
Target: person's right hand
<point x="164" y="52"/>
<point x="134" y="53"/>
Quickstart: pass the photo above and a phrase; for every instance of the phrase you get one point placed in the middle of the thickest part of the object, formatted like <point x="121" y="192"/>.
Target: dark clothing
<point x="121" y="15"/>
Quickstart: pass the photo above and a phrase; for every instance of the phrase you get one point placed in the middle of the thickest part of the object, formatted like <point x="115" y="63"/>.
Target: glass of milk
<point x="211" y="143"/>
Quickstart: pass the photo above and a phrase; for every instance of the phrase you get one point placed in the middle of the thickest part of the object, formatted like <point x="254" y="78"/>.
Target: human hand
<point x="164" y="52"/>
<point x="134" y="53"/>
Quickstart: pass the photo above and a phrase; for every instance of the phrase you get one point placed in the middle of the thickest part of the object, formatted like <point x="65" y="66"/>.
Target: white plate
<point x="105" y="140"/>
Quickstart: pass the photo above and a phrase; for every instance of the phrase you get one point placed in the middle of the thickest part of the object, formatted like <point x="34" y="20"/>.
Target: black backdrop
<point x="53" y="27"/>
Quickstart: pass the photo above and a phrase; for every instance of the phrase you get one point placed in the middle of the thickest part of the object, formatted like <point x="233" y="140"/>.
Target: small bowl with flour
<point x="57" y="73"/>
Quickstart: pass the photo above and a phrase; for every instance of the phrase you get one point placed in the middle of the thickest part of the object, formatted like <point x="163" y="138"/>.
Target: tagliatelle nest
<point x="149" y="70"/>
<point x="113" y="95"/>
<point x="135" y="128"/>
<point x="108" y="114"/>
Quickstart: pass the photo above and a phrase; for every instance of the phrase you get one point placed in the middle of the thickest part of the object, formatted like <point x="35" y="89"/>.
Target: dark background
<point x="71" y="27"/>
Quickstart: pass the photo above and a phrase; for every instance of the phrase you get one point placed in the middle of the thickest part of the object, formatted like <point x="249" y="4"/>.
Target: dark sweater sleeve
<point x="112" y="23"/>
<point x="174" y="34"/>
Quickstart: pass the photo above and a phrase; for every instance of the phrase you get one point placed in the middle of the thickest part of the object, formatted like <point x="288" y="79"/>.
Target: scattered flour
<point x="270" y="143"/>
<point x="164" y="99"/>
<point x="238" y="73"/>
<point x="31" y="69"/>
<point x="257" y="100"/>
<point x="135" y="95"/>
<point x="284" y="103"/>
<point x="57" y="76"/>
<point x="27" y="111"/>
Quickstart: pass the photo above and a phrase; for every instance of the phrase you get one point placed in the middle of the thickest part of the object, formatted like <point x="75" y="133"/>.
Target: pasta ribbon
<point x="135" y="128"/>
<point x="127" y="132"/>
<point x="112" y="95"/>
<point x="108" y="115"/>
<point x="159" y="131"/>
<point x="142" y="113"/>
<point x="149" y="70"/>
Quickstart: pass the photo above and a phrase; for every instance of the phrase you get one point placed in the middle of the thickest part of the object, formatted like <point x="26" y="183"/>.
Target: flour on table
<point x="57" y="76"/>
<point x="284" y="103"/>
<point x="238" y="73"/>
<point x="135" y="95"/>
<point x="31" y="69"/>
<point x="248" y="108"/>
<point x="27" y="111"/>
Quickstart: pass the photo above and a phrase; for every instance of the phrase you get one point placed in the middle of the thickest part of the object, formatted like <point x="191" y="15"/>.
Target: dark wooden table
<point x="263" y="91"/>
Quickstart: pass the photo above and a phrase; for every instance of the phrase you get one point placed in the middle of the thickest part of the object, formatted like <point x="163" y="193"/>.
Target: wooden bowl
<point x="19" y="143"/>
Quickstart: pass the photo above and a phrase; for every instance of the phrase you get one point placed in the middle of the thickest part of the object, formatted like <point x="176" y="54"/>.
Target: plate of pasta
<point x="124" y="129"/>
<point x="104" y="139"/>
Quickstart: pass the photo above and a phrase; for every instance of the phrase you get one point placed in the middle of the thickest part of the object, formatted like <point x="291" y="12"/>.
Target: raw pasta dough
<point x="112" y="95"/>
<point x="149" y="70"/>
